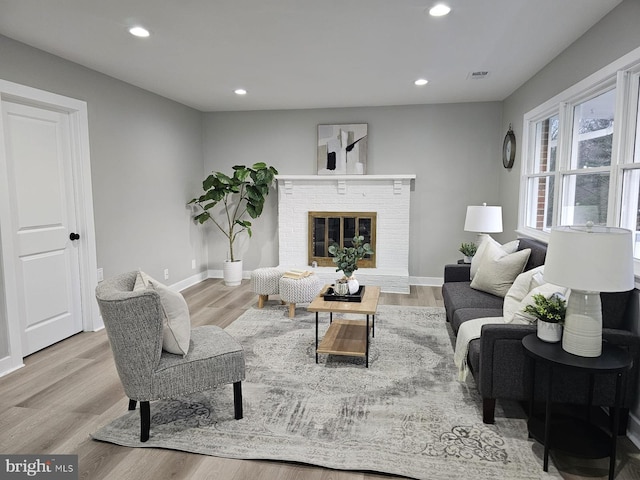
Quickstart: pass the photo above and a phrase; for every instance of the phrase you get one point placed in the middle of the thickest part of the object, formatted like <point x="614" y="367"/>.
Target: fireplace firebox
<point x="328" y="228"/>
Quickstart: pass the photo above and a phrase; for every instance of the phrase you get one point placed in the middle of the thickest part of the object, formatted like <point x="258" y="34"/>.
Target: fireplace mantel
<point x="355" y="178"/>
<point x="286" y="181"/>
<point x="388" y="195"/>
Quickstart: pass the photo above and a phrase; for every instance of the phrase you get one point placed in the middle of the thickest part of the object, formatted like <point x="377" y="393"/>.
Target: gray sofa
<point x="497" y="360"/>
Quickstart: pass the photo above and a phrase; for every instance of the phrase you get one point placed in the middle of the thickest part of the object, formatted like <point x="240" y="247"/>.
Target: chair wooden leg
<point x="292" y="310"/>
<point x="237" y="400"/>
<point x="145" y="421"/>
<point x="488" y="410"/>
<point x="132" y="404"/>
<point x="262" y="300"/>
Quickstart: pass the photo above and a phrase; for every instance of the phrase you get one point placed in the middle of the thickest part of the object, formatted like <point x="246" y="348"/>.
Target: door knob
<point x="74" y="236"/>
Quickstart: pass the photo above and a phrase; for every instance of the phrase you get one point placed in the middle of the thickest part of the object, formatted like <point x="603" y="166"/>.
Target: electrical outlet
<point x="193" y="264"/>
<point x="166" y="274"/>
<point x="100" y="274"/>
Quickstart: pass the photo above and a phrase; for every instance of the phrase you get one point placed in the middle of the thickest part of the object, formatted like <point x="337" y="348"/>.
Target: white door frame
<point x="81" y="167"/>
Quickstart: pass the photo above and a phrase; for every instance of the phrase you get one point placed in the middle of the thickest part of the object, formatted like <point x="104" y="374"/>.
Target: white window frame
<point x="624" y="76"/>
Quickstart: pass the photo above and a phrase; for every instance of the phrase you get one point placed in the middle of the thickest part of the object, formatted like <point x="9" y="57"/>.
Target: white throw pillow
<point x="142" y="281"/>
<point x="546" y="290"/>
<point x="509" y="247"/>
<point x="498" y="270"/>
<point x="522" y="285"/>
<point x="176" y="329"/>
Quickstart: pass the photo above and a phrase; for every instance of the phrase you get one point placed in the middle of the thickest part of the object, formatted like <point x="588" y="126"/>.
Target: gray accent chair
<point x="134" y="322"/>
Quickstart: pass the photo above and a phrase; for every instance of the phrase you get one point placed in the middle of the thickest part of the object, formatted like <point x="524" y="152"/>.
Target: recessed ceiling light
<point x="240" y="91"/>
<point x="139" y="32"/>
<point x="421" y="81"/>
<point x="439" y="10"/>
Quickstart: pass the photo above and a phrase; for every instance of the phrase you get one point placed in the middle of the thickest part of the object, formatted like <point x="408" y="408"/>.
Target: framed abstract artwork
<point x="342" y="149"/>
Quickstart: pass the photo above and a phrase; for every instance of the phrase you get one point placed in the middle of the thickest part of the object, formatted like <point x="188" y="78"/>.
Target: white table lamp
<point x="588" y="260"/>
<point x="483" y="219"/>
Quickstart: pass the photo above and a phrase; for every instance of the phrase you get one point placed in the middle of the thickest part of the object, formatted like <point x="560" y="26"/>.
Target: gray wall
<point x="444" y="145"/>
<point x="146" y="160"/>
<point x="611" y="38"/>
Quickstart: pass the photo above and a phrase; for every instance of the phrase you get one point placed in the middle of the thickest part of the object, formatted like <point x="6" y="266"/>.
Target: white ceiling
<point x="307" y="53"/>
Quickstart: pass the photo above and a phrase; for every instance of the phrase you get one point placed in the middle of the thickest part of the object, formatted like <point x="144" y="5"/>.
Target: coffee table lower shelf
<point x="345" y="337"/>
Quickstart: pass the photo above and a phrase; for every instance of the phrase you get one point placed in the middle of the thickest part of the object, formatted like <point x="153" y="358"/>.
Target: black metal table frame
<point x="373" y="334"/>
<point x="589" y="365"/>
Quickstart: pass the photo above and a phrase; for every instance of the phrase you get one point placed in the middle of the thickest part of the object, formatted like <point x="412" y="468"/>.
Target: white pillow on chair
<point x="176" y="331"/>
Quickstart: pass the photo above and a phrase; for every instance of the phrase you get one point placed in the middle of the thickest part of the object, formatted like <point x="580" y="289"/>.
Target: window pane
<point x="349" y="231"/>
<point x="593" y="132"/>
<point x="585" y="198"/>
<point x="540" y="212"/>
<point x="334" y="230"/>
<point x="630" y="202"/>
<point x="364" y="229"/>
<point x="319" y="248"/>
<point x="546" y="144"/>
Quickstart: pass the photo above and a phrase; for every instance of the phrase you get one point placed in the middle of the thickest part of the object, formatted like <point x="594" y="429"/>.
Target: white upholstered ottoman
<point x="265" y="282"/>
<point x="299" y="290"/>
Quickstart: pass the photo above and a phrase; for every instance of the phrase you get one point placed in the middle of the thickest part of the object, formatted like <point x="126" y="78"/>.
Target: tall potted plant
<point x="346" y="260"/>
<point x="239" y="195"/>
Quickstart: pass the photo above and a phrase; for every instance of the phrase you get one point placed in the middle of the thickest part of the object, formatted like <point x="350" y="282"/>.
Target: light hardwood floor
<point x="67" y="391"/>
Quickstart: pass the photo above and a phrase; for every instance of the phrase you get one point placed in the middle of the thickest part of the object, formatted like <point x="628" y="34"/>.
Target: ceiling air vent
<point x="478" y="75"/>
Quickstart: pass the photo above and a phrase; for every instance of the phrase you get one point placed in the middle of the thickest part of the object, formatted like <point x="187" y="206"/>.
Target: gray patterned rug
<point x="404" y="415"/>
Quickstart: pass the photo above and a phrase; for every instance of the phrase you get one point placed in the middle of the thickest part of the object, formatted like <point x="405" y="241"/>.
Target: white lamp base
<point x="583" y="324"/>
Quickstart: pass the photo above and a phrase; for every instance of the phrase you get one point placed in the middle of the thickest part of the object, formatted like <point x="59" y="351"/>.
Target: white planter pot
<point x="549" y="332"/>
<point x="232" y="273"/>
<point x="354" y="285"/>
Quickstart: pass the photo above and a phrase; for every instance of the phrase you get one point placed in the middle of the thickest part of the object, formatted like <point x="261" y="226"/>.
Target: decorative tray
<point x="331" y="296"/>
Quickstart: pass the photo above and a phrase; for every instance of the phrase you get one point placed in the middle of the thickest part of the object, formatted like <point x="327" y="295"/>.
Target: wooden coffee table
<point x="347" y="337"/>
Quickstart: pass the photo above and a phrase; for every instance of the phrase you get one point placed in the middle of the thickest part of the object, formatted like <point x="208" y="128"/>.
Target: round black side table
<point x="613" y="360"/>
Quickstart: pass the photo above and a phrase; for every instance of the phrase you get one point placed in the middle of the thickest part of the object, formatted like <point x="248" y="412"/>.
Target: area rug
<point x="406" y="414"/>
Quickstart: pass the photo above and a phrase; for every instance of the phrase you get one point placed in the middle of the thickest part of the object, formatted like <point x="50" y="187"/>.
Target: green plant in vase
<point x="550" y="309"/>
<point x="468" y="249"/>
<point x="346" y="260"/>
<point x="550" y="312"/>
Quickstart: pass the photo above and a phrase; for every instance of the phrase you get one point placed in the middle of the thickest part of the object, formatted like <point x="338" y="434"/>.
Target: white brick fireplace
<point x="387" y="195"/>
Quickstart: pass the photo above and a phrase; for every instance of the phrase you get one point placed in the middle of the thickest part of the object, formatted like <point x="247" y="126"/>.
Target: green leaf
<point x="255" y="194"/>
<point x="222" y="178"/>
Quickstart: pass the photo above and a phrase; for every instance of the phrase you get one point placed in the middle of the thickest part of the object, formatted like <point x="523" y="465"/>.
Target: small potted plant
<point x="468" y="249"/>
<point x="239" y="195"/>
<point x="550" y="312"/>
<point x="346" y="260"/>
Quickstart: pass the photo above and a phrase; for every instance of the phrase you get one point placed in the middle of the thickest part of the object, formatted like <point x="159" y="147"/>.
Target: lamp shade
<point x="483" y="218"/>
<point x="590" y="258"/>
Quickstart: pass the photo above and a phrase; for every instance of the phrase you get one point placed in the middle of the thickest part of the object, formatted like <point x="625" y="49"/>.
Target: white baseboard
<point x="426" y="281"/>
<point x="189" y="281"/>
<point x="9" y="364"/>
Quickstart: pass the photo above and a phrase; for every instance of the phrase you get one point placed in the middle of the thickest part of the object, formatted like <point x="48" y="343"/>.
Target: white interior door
<point x="38" y="153"/>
